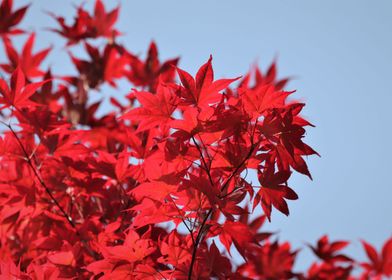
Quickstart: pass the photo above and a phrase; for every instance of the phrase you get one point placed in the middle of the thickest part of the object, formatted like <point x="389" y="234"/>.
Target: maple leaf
<point x="153" y="190"/>
<point x="263" y="98"/>
<point x="9" y="18"/>
<point x="236" y="232"/>
<point x="175" y="249"/>
<point x="326" y="270"/>
<point x="273" y="192"/>
<point x="281" y="129"/>
<point x="270" y="76"/>
<point x="68" y="146"/>
<point x="380" y="264"/>
<point x="203" y="90"/>
<point x="153" y="212"/>
<point x="172" y="158"/>
<point x="189" y="122"/>
<point x="102" y="22"/>
<point x="156" y="109"/>
<point x="218" y="263"/>
<point x="224" y="121"/>
<point x="110" y="270"/>
<point x="134" y="248"/>
<point x="328" y="251"/>
<point x="18" y="94"/>
<point x="41" y="121"/>
<point x="201" y="183"/>
<point x="47" y="95"/>
<point x="85" y="26"/>
<point x="269" y="261"/>
<point x="234" y="153"/>
<point x="148" y="73"/>
<point x="26" y="60"/>
<point x="75" y="32"/>
<point x="102" y="66"/>
<point x="177" y="155"/>
<point x="255" y="225"/>
<point x="122" y="170"/>
<point x="260" y="79"/>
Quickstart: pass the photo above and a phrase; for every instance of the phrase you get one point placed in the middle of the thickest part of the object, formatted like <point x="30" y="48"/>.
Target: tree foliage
<point x="158" y="188"/>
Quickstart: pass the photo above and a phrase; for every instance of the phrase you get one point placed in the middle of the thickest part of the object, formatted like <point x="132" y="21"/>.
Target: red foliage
<point x="154" y="189"/>
<point x="9" y="19"/>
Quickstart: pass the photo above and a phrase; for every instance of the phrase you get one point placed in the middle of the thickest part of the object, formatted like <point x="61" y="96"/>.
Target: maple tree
<point x="157" y="188"/>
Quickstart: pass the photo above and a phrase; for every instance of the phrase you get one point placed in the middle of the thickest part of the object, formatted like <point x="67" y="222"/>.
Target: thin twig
<point x="183" y="221"/>
<point x="197" y="242"/>
<point x="208" y="154"/>
<point x="204" y="161"/>
<point x="201" y="228"/>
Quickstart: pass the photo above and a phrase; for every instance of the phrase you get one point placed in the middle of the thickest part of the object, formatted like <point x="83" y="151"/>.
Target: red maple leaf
<point x="380" y="264"/>
<point x="85" y="26"/>
<point x="103" y="66"/>
<point x="273" y="191"/>
<point x="269" y="261"/>
<point x="175" y="249"/>
<point x="256" y="101"/>
<point x="102" y="22"/>
<point x="26" y="60"/>
<point x="329" y="251"/>
<point x="148" y="73"/>
<point x="236" y="232"/>
<point x="260" y="79"/>
<point x="203" y="90"/>
<point x="18" y="94"/>
<point x="75" y="32"/>
<point x="284" y="130"/>
<point x="156" y="109"/>
<point x="9" y="18"/>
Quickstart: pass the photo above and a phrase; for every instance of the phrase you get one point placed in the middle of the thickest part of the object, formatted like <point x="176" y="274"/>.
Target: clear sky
<point x="340" y="54"/>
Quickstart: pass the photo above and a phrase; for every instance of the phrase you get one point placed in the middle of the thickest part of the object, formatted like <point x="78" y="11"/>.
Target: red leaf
<point x="155" y="110"/>
<point x="371" y="253"/>
<point x="62" y="258"/>
<point x="19" y="93"/>
<point x="259" y="100"/>
<point x="28" y="62"/>
<point x="204" y="91"/>
<point x="273" y="193"/>
<point x="101" y="24"/>
<point x="9" y="19"/>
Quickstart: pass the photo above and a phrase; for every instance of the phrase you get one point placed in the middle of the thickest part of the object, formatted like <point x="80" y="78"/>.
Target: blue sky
<point x="340" y="55"/>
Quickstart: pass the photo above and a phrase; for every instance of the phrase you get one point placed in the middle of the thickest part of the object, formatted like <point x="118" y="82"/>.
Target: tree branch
<point x="197" y="242"/>
<point x="204" y="161"/>
<point x="201" y="229"/>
